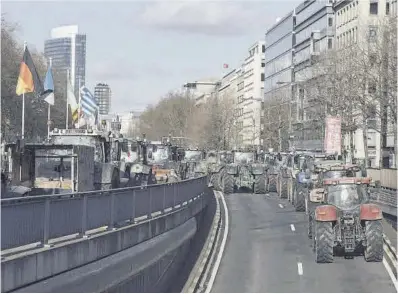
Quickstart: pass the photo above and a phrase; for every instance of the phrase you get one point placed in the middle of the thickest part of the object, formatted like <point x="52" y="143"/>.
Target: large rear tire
<point x="299" y="201"/>
<point x="272" y="184"/>
<point x="324" y="241"/>
<point x="283" y="188"/>
<point x="228" y="184"/>
<point x="259" y="184"/>
<point x="374" y="241"/>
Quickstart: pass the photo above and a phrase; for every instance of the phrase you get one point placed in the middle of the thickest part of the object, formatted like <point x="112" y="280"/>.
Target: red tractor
<point x="344" y="220"/>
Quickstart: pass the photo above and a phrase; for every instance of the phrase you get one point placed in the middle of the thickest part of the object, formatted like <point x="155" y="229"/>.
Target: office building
<point x="130" y="124"/>
<point x="67" y="48"/>
<point x="278" y="77"/>
<point x="314" y="29"/>
<point x="251" y="93"/>
<point x="103" y="95"/>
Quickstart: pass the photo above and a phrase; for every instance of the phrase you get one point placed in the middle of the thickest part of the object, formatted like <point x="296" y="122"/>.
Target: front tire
<point x="374" y="241"/>
<point x="259" y="184"/>
<point x="227" y="184"/>
<point x="299" y="202"/>
<point x="324" y="241"/>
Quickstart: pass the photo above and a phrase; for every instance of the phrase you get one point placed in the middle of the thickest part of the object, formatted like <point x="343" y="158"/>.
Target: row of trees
<point x="208" y="125"/>
<point x="11" y="104"/>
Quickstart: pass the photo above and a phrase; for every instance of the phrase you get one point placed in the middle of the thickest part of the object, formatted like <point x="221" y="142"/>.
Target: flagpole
<point x="67" y="101"/>
<point x="49" y="110"/>
<point x="25" y="44"/>
<point x="79" y="109"/>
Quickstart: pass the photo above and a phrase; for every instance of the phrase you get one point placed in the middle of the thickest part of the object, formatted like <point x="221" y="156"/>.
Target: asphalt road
<point x="268" y="250"/>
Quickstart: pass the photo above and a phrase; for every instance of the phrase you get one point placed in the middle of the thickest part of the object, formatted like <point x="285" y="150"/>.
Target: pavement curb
<point x="200" y="267"/>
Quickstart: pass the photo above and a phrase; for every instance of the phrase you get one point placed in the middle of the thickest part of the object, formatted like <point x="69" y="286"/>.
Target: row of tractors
<point x="335" y="196"/>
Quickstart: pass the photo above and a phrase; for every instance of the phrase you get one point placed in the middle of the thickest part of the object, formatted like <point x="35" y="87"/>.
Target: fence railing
<point x="386" y="176"/>
<point x="35" y="219"/>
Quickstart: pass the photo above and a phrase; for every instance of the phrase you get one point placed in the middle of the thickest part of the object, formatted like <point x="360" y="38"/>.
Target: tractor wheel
<point x="272" y="184"/>
<point x="374" y="241"/>
<point x="115" y="181"/>
<point x="220" y="179"/>
<point x="310" y="225"/>
<point x="227" y="183"/>
<point x="283" y="188"/>
<point x="324" y="241"/>
<point x="299" y="202"/>
<point x="259" y="184"/>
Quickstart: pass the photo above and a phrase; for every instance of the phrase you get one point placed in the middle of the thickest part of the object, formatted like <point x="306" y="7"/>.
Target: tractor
<point x="141" y="171"/>
<point x="192" y="163"/>
<point x="345" y="221"/>
<point x="216" y="162"/>
<point x="245" y="171"/>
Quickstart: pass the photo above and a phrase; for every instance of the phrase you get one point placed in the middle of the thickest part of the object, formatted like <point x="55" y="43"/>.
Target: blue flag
<point x="49" y="87"/>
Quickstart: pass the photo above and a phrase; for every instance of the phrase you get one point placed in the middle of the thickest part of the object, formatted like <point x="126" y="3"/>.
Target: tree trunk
<point x="365" y="143"/>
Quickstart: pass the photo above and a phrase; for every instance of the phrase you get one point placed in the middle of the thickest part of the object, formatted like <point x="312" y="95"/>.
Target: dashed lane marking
<point x="292" y="227"/>
<point x="300" y="268"/>
<point x="280" y="205"/>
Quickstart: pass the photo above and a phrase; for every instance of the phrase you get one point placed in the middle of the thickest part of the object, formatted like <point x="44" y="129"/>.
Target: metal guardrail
<point x="386" y="176"/>
<point x="29" y="220"/>
<point x="387" y="199"/>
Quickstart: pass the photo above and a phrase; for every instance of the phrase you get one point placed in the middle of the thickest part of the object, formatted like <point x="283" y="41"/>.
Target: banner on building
<point x="332" y="142"/>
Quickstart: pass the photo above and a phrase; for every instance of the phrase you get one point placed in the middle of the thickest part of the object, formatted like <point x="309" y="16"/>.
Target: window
<point x="263" y="48"/>
<point x="262" y="77"/>
<point x="262" y="64"/>
<point x="330" y="43"/>
<point x="373" y="8"/>
<point x="372" y="33"/>
<point x="330" y="21"/>
<point x="372" y="88"/>
<point x="387" y="8"/>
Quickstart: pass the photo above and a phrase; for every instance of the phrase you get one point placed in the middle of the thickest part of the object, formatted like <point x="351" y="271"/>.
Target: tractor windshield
<point x="193" y="155"/>
<point x="346" y="196"/>
<point x="157" y="154"/>
<point x="244" y="157"/>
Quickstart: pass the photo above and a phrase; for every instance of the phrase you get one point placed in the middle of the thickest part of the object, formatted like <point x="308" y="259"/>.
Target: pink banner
<point x="332" y="142"/>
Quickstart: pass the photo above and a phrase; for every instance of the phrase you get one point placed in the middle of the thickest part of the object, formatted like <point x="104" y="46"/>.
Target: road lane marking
<point x="300" y="268"/>
<point x="292" y="227"/>
<point x="390" y="273"/>
<point x="222" y="247"/>
<point x="280" y="205"/>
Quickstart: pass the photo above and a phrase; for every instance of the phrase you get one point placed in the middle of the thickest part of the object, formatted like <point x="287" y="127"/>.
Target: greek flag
<point x="88" y="103"/>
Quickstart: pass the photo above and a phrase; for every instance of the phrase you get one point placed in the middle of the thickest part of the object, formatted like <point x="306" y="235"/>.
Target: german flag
<point x="28" y="79"/>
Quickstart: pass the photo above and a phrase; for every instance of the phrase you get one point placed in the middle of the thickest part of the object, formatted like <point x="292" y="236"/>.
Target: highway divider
<point x="38" y="220"/>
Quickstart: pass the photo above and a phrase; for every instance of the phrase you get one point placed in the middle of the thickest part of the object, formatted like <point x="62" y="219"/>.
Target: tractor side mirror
<point x="150" y="155"/>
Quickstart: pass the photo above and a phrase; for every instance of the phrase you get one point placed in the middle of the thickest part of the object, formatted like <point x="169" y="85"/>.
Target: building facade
<point x="67" y="48"/>
<point x="250" y="95"/>
<point x="103" y="95"/>
<point x="314" y="32"/>
<point x="130" y="124"/>
<point x="278" y="78"/>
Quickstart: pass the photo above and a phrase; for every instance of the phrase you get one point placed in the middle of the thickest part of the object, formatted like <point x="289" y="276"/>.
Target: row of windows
<point x="282" y="77"/>
<point x="278" y="64"/>
<point x="285" y="44"/>
<point x="309" y="10"/>
<point x="255" y="50"/>
<point x="347" y="37"/>
<point x="240" y="86"/>
<point x="283" y="28"/>
<point x="347" y="14"/>
<point x="304" y="34"/>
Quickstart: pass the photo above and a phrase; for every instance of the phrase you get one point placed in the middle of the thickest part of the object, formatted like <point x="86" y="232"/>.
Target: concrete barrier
<point x="31" y="267"/>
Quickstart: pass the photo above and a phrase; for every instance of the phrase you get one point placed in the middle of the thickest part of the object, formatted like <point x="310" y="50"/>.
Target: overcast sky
<point x="143" y="49"/>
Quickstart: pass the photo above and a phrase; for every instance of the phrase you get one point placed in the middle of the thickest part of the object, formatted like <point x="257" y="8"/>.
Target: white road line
<point x="280" y="205"/>
<point x="390" y="273"/>
<point x="300" y="268"/>
<point x="292" y="227"/>
<point x="222" y="247"/>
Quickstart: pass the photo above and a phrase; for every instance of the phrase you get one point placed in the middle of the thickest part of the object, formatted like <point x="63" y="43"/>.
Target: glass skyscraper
<point x="67" y="48"/>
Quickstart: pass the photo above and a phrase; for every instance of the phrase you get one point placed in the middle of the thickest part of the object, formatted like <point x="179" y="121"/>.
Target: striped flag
<point x="88" y="103"/>
<point x="74" y="107"/>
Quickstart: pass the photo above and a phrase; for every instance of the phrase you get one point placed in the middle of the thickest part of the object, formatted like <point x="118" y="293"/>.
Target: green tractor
<point x="244" y="172"/>
<point x="216" y="162"/>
